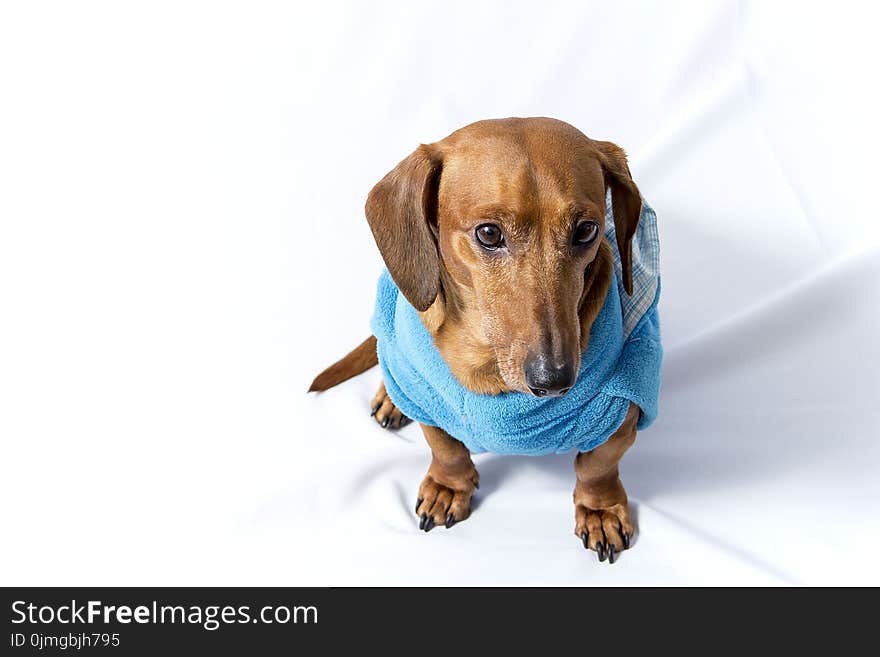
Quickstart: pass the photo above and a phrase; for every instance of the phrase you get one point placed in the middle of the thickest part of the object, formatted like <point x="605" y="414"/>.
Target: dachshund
<point x="495" y="236"/>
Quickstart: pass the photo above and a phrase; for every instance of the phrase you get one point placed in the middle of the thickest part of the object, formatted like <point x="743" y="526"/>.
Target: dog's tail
<point x="361" y="358"/>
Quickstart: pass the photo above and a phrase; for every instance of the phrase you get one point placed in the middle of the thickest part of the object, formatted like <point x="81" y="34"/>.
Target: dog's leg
<point x="601" y="509"/>
<point x="385" y="412"/>
<point x="446" y="491"/>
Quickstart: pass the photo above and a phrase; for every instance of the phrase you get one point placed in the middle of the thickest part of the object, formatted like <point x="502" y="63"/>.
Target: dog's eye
<point x="490" y="236"/>
<point x="585" y="233"/>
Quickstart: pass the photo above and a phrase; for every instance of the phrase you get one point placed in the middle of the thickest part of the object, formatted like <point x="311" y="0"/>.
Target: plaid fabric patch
<point x="645" y="264"/>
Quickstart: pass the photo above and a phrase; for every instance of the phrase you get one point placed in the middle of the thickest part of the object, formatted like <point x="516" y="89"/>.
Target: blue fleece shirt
<point x="621" y="364"/>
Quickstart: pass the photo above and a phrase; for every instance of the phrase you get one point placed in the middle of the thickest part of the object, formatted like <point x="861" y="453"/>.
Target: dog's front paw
<point x="386" y="414"/>
<point x="448" y="502"/>
<point x="606" y="529"/>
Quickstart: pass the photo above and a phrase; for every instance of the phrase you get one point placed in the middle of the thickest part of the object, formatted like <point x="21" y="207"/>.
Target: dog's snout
<point x="548" y="377"/>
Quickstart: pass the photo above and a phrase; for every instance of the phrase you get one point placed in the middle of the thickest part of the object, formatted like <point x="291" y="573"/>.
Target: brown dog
<point x="534" y="189"/>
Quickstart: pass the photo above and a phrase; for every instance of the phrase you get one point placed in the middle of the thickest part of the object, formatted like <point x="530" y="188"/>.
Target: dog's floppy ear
<point x="402" y="212"/>
<point x="626" y="203"/>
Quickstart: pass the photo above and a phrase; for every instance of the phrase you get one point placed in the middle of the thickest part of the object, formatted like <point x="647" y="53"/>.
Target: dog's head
<point x="503" y="221"/>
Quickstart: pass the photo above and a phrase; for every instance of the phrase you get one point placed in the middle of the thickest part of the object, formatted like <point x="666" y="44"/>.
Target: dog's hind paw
<point x="386" y="414"/>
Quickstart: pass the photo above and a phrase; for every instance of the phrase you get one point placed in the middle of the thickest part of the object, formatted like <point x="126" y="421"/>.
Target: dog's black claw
<point x="612" y="554"/>
<point x="385" y="422"/>
<point x="585" y="537"/>
<point x="423" y="519"/>
<point x="626" y="540"/>
<point x="450" y="520"/>
<point x="600" y="551"/>
<point x="429" y="525"/>
<point x="375" y="409"/>
<point x="418" y="504"/>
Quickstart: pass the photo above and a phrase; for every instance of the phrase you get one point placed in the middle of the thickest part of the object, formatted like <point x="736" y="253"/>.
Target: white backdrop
<point x="182" y="247"/>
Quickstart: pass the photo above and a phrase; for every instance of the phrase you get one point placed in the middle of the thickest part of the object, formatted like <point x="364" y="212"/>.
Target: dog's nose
<point x="547" y="377"/>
